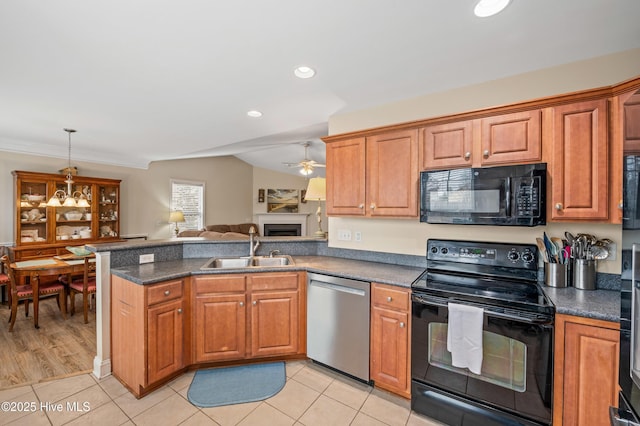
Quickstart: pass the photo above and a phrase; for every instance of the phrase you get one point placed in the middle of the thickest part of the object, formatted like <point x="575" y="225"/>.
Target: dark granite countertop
<point x="384" y="273"/>
<point x="596" y="304"/>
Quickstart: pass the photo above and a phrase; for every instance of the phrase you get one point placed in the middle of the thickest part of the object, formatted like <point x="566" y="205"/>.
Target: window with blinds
<point x="189" y="197"/>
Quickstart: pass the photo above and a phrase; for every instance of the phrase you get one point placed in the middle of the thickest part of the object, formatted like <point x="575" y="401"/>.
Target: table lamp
<point x="176" y="216"/>
<point x="317" y="190"/>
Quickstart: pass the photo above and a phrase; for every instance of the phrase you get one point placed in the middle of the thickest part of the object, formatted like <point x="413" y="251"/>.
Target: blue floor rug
<point x="235" y="385"/>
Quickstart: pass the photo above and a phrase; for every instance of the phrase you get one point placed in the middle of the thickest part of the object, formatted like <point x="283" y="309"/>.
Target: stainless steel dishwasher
<point x="338" y="323"/>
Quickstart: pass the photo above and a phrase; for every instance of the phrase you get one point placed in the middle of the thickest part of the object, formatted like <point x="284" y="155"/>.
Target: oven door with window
<point x="515" y="384"/>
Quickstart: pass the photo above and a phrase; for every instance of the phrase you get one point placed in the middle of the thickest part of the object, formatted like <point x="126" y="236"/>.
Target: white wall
<point x="409" y="236"/>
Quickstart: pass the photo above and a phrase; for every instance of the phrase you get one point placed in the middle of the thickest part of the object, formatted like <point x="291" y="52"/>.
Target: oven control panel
<point x="524" y="256"/>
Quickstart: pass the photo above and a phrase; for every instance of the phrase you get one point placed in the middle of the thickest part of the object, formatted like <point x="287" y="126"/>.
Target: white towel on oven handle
<point x="464" y="336"/>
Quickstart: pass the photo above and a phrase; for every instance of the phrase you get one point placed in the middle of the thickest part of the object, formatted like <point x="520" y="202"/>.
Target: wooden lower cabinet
<point x="585" y="370"/>
<point x="160" y="329"/>
<point x="147" y="329"/>
<point x="390" y="368"/>
<point x="219" y="317"/>
<point x="275" y="314"/>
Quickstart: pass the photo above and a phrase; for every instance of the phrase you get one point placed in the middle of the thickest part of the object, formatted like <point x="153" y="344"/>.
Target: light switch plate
<point x="146" y="258"/>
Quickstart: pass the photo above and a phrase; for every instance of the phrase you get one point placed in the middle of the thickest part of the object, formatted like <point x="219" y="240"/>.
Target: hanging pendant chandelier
<point x="60" y="198"/>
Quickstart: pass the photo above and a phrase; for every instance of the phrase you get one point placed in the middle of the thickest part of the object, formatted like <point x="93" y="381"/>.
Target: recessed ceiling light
<point x="304" y="72"/>
<point x="486" y="8"/>
<point x="254" y="113"/>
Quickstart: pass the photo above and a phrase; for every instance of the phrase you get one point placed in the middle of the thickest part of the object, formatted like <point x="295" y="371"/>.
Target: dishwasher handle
<point x="337" y="287"/>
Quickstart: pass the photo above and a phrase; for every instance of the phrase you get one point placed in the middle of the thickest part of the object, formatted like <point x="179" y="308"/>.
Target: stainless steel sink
<point x="281" y="260"/>
<point x="247" y="262"/>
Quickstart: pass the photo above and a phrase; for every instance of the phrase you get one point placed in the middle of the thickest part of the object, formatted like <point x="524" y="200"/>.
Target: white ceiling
<point x="150" y="80"/>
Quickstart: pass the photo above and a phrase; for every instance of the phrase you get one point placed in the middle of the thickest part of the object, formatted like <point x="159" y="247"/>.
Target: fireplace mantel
<point x="286" y="218"/>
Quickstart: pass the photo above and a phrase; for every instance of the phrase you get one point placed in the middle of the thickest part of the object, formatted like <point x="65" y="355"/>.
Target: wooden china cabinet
<point x="41" y="230"/>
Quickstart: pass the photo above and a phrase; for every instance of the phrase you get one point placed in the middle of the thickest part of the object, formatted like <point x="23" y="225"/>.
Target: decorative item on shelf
<point x="60" y="198"/>
<point x="317" y="190"/>
<point x="261" y="195"/>
<point x="176" y="216"/>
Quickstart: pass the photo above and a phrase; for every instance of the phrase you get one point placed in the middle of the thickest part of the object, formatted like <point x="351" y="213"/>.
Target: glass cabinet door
<point x="32" y="212"/>
<point x="74" y="222"/>
<point x="108" y="211"/>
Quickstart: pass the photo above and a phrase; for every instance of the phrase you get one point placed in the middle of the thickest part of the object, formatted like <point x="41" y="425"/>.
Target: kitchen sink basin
<point x="272" y="261"/>
<point x="247" y="262"/>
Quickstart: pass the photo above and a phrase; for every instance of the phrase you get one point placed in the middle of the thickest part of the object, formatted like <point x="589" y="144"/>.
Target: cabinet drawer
<point x="391" y="297"/>
<point x="261" y="282"/>
<point x="164" y="292"/>
<point x="220" y="284"/>
<point x="35" y="253"/>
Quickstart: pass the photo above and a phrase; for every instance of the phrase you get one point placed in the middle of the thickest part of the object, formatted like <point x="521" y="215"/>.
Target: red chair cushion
<point x="78" y="285"/>
<point x="24" y="291"/>
<point x="4" y="278"/>
<point x="50" y="288"/>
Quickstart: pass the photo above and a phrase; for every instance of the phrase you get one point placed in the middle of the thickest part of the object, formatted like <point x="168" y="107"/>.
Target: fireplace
<point x="282" y="229"/>
<point x="281" y="224"/>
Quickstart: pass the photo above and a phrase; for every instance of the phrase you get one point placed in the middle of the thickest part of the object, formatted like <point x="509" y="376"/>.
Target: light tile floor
<point x="312" y="395"/>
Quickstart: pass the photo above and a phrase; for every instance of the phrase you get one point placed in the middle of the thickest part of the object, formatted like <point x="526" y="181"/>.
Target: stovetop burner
<point x="495" y="274"/>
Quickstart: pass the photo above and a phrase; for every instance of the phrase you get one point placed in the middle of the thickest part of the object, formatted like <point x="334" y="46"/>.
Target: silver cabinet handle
<point x="255" y="302"/>
<point x="241" y="304"/>
<point x="467" y="155"/>
<point x="401" y="325"/>
<point x="361" y="206"/>
<point x="372" y="206"/>
<point x="389" y="299"/>
<point x="167" y="292"/>
<point x="485" y="153"/>
<point x="179" y="310"/>
<point x="558" y="206"/>
<point x="620" y="205"/>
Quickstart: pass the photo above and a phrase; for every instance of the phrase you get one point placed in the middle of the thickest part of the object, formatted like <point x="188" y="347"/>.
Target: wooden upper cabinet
<point x="446" y="146"/>
<point x="631" y="124"/>
<point x="392" y="174"/>
<point x="374" y="176"/>
<point x="511" y="138"/>
<point x="579" y="161"/>
<point x="502" y="139"/>
<point x="346" y="177"/>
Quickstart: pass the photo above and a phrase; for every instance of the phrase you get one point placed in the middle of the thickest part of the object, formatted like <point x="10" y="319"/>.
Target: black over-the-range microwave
<point x="503" y="195"/>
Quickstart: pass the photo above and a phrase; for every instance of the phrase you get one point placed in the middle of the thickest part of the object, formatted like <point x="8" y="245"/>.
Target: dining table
<point x="34" y="270"/>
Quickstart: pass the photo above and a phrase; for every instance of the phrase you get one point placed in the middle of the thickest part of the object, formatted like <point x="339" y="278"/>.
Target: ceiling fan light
<point x="486" y="8"/>
<point x="254" y="113"/>
<point x="306" y="170"/>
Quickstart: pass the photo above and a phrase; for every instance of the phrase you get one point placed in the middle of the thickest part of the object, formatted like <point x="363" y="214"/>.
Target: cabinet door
<point x="274" y="323"/>
<point x="589" y="392"/>
<point x="446" y="146"/>
<point x="32" y="214"/>
<point x="392" y="174"/>
<point x="165" y="346"/>
<point x="511" y="138"/>
<point x="220" y="327"/>
<point x="579" y="165"/>
<point x="346" y="184"/>
<point x="389" y="350"/>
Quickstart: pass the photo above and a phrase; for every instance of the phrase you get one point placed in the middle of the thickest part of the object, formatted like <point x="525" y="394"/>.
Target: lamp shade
<point x="176" y="216"/>
<point x="317" y="189"/>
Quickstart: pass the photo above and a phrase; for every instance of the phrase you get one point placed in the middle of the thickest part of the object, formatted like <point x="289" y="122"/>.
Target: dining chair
<point x="24" y="293"/>
<point x="85" y="286"/>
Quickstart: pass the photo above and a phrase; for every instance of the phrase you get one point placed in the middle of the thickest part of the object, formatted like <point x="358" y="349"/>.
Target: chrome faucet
<point x="273" y="253"/>
<point x="253" y="247"/>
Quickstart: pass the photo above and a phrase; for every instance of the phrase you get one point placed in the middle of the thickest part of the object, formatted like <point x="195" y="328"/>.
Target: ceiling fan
<point x="307" y="165"/>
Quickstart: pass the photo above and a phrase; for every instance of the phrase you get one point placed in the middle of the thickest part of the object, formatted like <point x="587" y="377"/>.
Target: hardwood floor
<point x="59" y="348"/>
